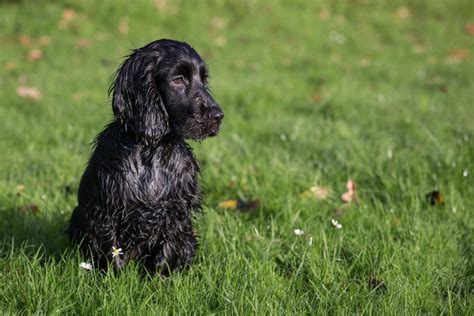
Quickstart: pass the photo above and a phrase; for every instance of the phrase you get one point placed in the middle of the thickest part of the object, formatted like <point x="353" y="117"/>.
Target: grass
<point x="315" y="93"/>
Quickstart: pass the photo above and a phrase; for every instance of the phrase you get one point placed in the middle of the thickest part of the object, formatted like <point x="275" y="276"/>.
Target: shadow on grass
<point x="27" y="228"/>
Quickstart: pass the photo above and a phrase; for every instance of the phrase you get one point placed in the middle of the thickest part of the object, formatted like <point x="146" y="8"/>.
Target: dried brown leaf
<point x="29" y="93"/>
<point x="316" y="97"/>
<point x="22" y="79"/>
<point x="434" y="198"/>
<point x="20" y="189"/>
<point x="220" y="41"/>
<point x="317" y="192"/>
<point x="123" y="25"/>
<point x="287" y="61"/>
<point x="377" y="285"/>
<point x="35" y="54"/>
<point x="29" y="208"/>
<point x="350" y="195"/>
<point x="324" y="14"/>
<point x="25" y="40"/>
<point x="77" y="96"/>
<point x="469" y="28"/>
<point x="402" y="13"/>
<point x="161" y="4"/>
<point x="83" y="43"/>
<point x="240" y="205"/>
<point x="231" y="204"/>
<point x="364" y="62"/>
<point x="43" y="40"/>
<point x="458" y="55"/>
<point x="248" y="206"/>
<point x="218" y="23"/>
<point x="10" y="65"/>
<point x="68" y="16"/>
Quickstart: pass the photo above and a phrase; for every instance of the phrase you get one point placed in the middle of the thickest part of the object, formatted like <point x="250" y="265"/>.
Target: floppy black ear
<point x="136" y="101"/>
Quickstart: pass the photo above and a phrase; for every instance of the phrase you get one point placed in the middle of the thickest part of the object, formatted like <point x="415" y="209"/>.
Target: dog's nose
<point x="217" y="115"/>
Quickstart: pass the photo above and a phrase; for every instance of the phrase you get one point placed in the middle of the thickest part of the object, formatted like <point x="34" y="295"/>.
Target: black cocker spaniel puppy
<point x="140" y="189"/>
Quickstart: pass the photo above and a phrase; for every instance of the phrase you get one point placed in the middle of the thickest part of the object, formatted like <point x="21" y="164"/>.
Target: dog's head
<point x="162" y="89"/>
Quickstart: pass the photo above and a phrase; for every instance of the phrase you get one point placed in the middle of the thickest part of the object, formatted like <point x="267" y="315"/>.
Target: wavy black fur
<point x="140" y="189"/>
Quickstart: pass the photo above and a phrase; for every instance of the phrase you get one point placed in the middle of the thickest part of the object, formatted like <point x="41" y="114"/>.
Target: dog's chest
<point x="166" y="173"/>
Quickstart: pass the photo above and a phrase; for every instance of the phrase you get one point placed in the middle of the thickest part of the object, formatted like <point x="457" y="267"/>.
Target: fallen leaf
<point x="161" y="4"/>
<point x="25" y="40"/>
<point x="317" y="192"/>
<point x="434" y="198"/>
<point x="67" y="189"/>
<point x="432" y="60"/>
<point x="228" y="204"/>
<point x="30" y="93"/>
<point x="377" y="285"/>
<point x="10" y="65"/>
<point x="341" y="19"/>
<point x="29" y="208"/>
<point x="324" y="14"/>
<point x="419" y="49"/>
<point x="35" y="54"/>
<point x="458" y="55"/>
<point x="287" y="61"/>
<point x="218" y="23"/>
<point x="244" y="206"/>
<point x="443" y="89"/>
<point x="248" y="205"/>
<point x="339" y="211"/>
<point x="43" y="40"/>
<point x="316" y="97"/>
<point x="220" y="41"/>
<point x="77" y="96"/>
<point x="123" y="25"/>
<point x="402" y="13"/>
<point x="83" y="43"/>
<point x="20" y="189"/>
<point x="350" y="195"/>
<point x="364" y="62"/>
<point x="68" y="16"/>
<point x="469" y="28"/>
<point x="22" y="79"/>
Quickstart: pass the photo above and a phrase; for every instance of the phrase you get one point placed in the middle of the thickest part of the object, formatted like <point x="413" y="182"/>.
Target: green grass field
<point x="314" y="93"/>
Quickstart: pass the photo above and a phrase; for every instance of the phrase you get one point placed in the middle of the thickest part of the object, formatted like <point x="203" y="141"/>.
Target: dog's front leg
<point x="175" y="249"/>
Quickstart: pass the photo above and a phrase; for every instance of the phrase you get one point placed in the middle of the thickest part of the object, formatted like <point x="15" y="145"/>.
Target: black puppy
<point x="140" y="189"/>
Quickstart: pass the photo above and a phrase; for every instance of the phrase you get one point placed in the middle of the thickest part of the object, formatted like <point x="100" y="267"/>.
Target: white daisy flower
<point x="465" y="173"/>
<point x="336" y="224"/>
<point x="86" y="266"/>
<point x="298" y="232"/>
<point x="116" y="252"/>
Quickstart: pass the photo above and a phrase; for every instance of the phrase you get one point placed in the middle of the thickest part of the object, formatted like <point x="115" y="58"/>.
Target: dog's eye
<point x="179" y="80"/>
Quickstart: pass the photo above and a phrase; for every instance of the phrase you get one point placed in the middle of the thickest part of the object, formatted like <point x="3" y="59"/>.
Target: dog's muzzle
<point x="216" y="117"/>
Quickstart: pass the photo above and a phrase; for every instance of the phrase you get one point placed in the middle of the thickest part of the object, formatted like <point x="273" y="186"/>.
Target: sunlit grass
<point x="314" y="93"/>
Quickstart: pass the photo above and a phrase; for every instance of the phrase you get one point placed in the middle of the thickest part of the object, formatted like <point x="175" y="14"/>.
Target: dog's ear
<point x="136" y="101"/>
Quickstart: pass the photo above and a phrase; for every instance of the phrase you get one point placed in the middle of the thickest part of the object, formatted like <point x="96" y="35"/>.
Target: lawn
<point x="315" y="93"/>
